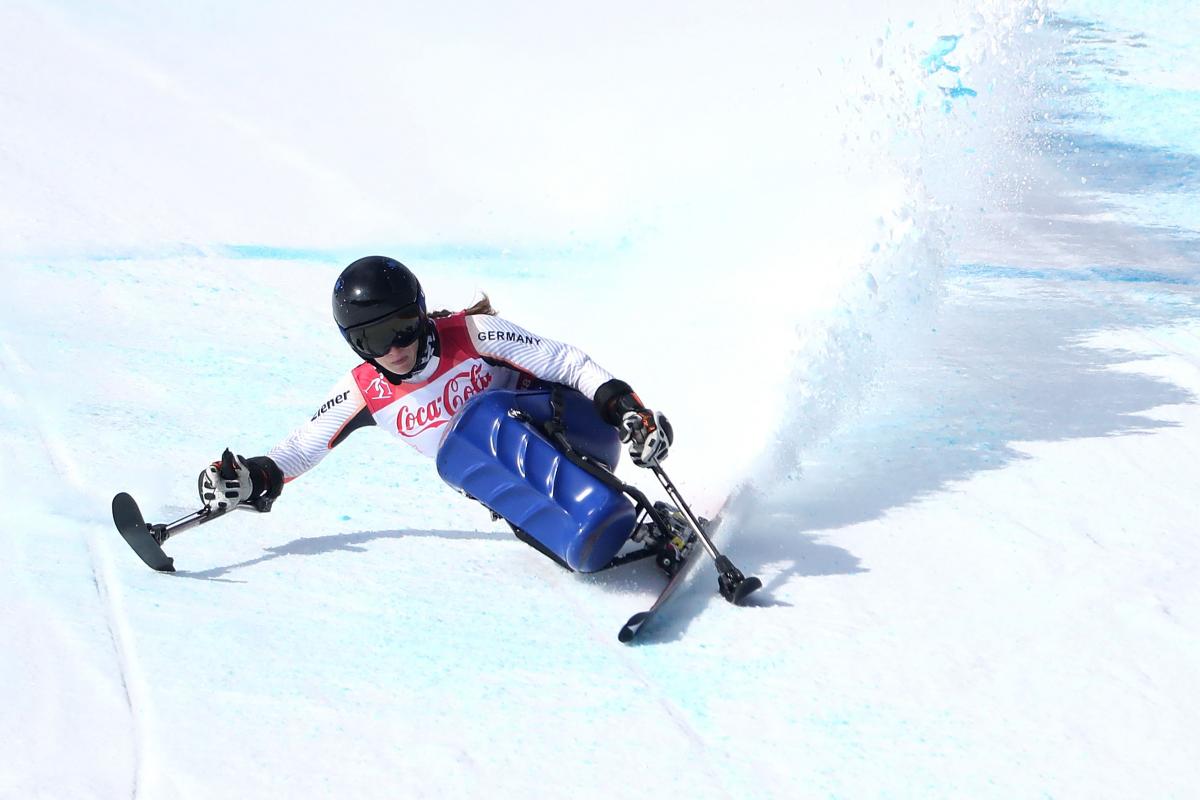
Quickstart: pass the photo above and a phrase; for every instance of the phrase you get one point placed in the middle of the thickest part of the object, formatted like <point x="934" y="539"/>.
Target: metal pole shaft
<point x="190" y="521"/>
<point x="673" y="493"/>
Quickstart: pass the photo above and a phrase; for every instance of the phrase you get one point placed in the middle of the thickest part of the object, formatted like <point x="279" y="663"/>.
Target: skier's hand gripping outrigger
<point x="648" y="434"/>
<point x="233" y="481"/>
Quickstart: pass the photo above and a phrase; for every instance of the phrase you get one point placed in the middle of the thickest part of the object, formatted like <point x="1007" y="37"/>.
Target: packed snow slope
<point x="917" y="286"/>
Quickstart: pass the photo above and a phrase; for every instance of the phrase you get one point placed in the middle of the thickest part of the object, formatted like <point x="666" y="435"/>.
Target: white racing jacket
<point x="476" y="353"/>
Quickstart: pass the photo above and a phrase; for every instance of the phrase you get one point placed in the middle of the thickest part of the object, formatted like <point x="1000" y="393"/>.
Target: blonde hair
<point x="483" y="306"/>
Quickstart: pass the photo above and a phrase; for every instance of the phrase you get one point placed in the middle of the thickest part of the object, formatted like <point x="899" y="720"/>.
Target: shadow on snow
<point x="320" y="545"/>
<point x="1001" y="369"/>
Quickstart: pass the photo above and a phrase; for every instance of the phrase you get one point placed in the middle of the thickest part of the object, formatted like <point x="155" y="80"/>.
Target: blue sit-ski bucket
<point x="510" y="466"/>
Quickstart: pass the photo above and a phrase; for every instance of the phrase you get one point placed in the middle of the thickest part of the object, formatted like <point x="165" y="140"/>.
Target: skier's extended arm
<point x="648" y="433"/>
<point x="344" y="411"/>
<point x="259" y="480"/>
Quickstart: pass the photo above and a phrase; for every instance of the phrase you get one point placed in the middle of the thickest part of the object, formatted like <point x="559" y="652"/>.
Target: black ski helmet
<point x="378" y="304"/>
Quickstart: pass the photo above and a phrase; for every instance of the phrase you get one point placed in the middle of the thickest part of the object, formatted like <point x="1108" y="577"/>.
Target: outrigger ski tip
<point x="744" y="590"/>
<point x="733" y="585"/>
<point x="137" y="534"/>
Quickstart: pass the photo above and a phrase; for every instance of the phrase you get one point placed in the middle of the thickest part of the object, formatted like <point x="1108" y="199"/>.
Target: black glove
<point x="647" y="432"/>
<point x="226" y="484"/>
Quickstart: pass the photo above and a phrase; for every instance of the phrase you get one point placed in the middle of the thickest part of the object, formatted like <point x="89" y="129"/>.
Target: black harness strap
<point x="556" y="430"/>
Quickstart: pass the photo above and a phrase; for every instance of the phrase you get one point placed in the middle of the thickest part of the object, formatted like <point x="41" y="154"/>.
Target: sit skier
<point x="419" y="370"/>
<point x="529" y="426"/>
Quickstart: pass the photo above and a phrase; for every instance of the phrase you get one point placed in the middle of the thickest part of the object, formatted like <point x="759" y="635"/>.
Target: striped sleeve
<point x="343" y="411"/>
<point x="543" y="358"/>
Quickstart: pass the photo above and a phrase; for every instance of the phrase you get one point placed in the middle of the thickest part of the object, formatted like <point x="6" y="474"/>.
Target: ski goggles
<point x="375" y="339"/>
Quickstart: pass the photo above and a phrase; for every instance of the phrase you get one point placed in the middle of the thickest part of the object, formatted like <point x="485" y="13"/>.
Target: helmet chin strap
<point x="427" y="353"/>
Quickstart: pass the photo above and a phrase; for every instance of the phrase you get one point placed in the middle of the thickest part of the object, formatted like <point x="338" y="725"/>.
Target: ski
<point x="137" y="534"/>
<point x="733" y="586"/>
<point x="630" y="629"/>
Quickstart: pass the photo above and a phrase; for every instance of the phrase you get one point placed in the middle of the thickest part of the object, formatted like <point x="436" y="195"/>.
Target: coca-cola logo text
<point x="457" y="390"/>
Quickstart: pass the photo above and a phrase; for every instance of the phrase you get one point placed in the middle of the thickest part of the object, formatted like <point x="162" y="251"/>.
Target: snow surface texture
<point x="918" y="287"/>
